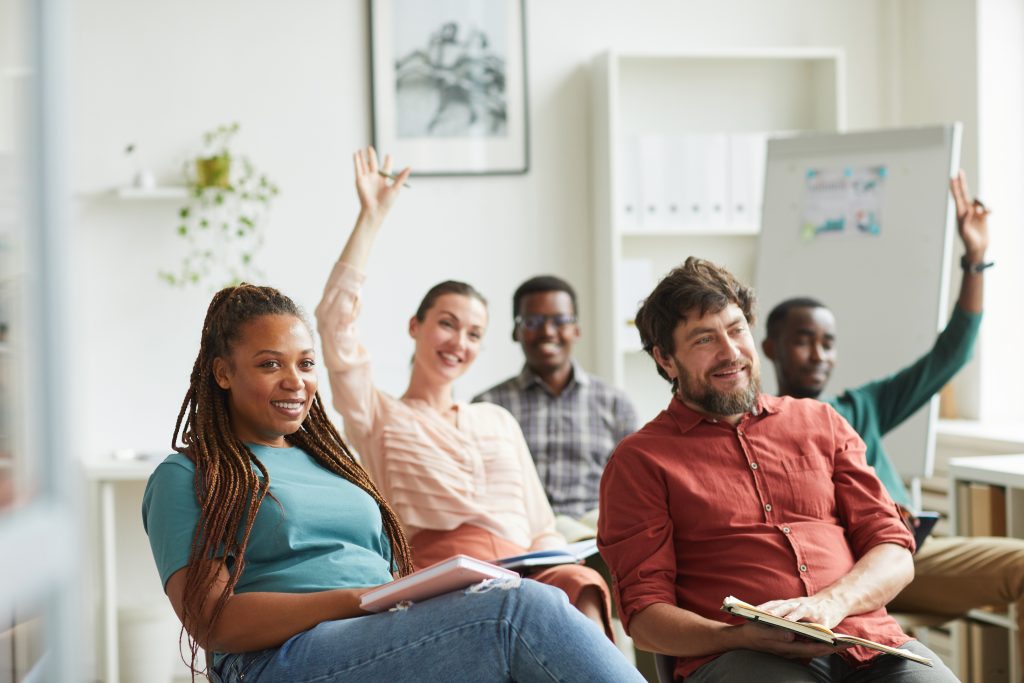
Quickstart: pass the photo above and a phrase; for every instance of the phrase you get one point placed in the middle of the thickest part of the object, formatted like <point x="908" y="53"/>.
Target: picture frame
<point x="449" y="85"/>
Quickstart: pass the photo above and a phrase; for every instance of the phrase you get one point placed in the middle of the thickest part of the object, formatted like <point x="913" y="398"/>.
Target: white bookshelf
<point x="730" y="93"/>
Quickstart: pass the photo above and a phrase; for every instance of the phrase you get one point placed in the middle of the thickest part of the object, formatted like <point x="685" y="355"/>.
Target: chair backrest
<point x="665" y="665"/>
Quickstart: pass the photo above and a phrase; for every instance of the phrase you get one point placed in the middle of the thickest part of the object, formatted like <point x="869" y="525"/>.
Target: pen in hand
<point x="391" y="176"/>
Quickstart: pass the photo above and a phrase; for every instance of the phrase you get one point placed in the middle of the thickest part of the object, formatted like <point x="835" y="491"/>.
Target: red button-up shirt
<point x="779" y="506"/>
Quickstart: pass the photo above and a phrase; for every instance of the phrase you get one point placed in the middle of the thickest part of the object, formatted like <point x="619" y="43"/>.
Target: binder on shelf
<point x="676" y="201"/>
<point x="715" y="148"/>
<point x="655" y="216"/>
<point x="635" y="282"/>
<point x="746" y="180"/>
<point x="629" y="183"/>
<point x="697" y="183"/>
<point x="988" y="652"/>
<point x="688" y="158"/>
<point x="987" y="512"/>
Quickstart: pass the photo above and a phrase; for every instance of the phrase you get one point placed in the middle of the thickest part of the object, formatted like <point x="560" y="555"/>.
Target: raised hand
<point x="971" y="218"/>
<point x="376" y="193"/>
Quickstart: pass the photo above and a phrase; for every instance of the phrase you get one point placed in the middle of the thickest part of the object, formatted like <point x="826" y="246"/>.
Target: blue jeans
<point x="524" y="633"/>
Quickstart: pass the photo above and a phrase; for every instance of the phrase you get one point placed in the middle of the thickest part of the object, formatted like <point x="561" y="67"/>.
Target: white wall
<point x="296" y="76"/>
<point x="937" y="48"/>
<point x="964" y="60"/>
<point x="1000" y="31"/>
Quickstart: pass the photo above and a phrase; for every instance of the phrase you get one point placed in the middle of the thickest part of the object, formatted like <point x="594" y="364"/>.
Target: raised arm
<point x="377" y="195"/>
<point x="346" y="360"/>
<point x="256" y="621"/>
<point x="972" y="224"/>
<point x="897" y="397"/>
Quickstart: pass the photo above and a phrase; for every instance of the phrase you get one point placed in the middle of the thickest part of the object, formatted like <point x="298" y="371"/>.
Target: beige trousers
<point x="955" y="574"/>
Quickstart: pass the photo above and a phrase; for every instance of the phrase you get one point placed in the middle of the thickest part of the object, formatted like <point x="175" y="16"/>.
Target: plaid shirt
<point x="571" y="436"/>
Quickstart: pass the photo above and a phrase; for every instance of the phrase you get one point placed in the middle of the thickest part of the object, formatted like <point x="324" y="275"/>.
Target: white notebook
<point x="445" y="576"/>
<point x="566" y="554"/>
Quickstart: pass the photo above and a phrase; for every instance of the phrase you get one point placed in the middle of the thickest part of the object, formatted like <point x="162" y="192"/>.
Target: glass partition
<point x="40" y="548"/>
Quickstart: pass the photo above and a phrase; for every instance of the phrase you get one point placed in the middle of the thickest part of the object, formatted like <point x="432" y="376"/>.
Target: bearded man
<point x="733" y="492"/>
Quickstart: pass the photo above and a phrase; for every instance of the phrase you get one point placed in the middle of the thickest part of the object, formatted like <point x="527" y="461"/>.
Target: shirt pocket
<point x="809" y="482"/>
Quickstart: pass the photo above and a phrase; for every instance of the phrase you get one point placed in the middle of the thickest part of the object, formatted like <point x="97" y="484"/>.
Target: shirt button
<point x="803" y="567"/>
<point x="768" y="507"/>
<point x="785" y="529"/>
<point x="753" y="465"/>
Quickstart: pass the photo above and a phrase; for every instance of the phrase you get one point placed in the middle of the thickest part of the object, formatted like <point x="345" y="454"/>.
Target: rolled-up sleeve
<point x="868" y="512"/>
<point x="635" y="532"/>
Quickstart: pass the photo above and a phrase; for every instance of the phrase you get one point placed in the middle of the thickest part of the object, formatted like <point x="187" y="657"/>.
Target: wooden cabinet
<point x="986" y="497"/>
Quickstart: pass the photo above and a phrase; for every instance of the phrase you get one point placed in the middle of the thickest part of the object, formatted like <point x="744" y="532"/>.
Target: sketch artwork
<point x="452" y="85"/>
<point x="449" y="85"/>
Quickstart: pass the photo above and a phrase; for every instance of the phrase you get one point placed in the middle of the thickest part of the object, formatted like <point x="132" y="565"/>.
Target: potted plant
<point x="213" y="167"/>
<point x="222" y="222"/>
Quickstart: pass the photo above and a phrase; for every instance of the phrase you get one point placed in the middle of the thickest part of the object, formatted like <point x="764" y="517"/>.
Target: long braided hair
<point x="227" y="488"/>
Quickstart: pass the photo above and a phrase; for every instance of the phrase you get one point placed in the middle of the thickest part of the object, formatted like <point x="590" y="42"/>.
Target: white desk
<point x="105" y="474"/>
<point x="1006" y="471"/>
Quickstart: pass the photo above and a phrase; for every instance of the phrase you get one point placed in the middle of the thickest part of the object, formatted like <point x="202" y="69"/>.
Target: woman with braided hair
<point x="459" y="476"/>
<point x="266" y="533"/>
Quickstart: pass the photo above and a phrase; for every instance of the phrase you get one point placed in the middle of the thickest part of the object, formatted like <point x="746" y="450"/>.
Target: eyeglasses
<point x="532" y="323"/>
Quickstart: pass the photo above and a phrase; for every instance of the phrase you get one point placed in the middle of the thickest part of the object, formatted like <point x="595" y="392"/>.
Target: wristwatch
<point x="969" y="267"/>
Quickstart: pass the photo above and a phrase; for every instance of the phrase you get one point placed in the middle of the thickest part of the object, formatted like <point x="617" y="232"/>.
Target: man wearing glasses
<point x="572" y="421"/>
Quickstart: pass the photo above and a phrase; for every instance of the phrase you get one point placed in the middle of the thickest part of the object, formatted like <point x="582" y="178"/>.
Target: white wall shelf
<point x="160" y="192"/>
<point x="683" y="231"/>
<point x="715" y="96"/>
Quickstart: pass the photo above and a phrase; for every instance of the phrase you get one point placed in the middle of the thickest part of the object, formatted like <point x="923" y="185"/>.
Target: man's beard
<point x="713" y="402"/>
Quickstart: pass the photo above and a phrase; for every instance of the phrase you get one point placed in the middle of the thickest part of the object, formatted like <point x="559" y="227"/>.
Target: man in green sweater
<point x="952" y="575"/>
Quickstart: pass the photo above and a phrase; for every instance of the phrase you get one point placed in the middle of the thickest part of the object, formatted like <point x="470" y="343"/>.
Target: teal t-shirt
<point x="322" y="532"/>
<point x="880" y="406"/>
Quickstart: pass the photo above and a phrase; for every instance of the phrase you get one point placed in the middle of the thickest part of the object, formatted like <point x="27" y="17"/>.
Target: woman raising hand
<point x="459" y="476"/>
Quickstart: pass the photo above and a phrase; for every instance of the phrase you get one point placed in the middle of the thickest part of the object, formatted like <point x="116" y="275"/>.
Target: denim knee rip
<point x="503" y="584"/>
<point x="401" y="606"/>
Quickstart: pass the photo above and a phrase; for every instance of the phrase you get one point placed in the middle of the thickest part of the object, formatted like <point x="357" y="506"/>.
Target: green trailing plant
<point x="223" y="220"/>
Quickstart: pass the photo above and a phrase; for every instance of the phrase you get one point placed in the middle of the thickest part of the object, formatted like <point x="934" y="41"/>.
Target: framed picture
<point x="449" y="85"/>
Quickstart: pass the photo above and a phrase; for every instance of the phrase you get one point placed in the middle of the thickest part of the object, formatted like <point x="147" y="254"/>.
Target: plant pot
<point x="213" y="171"/>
